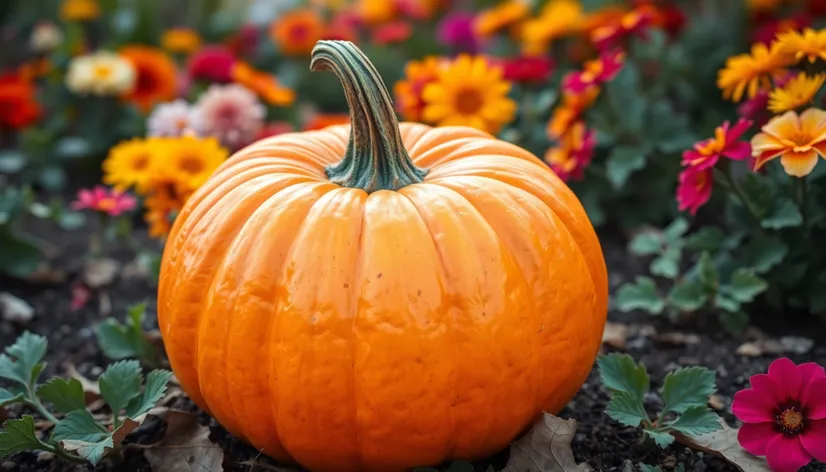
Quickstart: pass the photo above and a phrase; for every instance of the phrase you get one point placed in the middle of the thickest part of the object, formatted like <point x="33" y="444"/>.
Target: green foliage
<point x="127" y="340"/>
<point x="685" y="394"/>
<point x="78" y="436"/>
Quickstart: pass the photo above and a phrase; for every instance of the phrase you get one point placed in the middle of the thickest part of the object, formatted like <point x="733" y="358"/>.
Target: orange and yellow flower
<point x="809" y="44"/>
<point x="747" y="73"/>
<point x="469" y="92"/>
<point x="795" y="93"/>
<point x="296" y="32"/>
<point x="155" y="76"/>
<point x="409" y="91"/>
<point x="79" y="10"/>
<point x="595" y="72"/>
<point x="181" y="40"/>
<point x="376" y="12"/>
<point x="500" y="17"/>
<point x="128" y="165"/>
<point x="265" y="85"/>
<point x="559" y="18"/>
<point x="570" y="111"/>
<point x="573" y="153"/>
<point x="796" y="140"/>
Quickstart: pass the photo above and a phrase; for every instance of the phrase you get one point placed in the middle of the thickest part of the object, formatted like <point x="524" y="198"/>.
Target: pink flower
<point x="212" y="63"/>
<point x="755" y="108"/>
<point x="784" y="415"/>
<point x="231" y="113"/>
<point x="528" y="69"/>
<point x="724" y="143"/>
<point x="594" y="72"/>
<point x="104" y="200"/>
<point x="694" y="189"/>
<point x="456" y="31"/>
<point x="170" y="119"/>
<point x="635" y="22"/>
<point x="81" y="293"/>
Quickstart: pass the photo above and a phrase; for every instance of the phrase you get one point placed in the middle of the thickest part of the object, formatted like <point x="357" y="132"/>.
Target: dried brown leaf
<point x="546" y="448"/>
<point x="185" y="446"/>
<point x="90" y="388"/>
<point x="724" y="444"/>
<point x="100" y="272"/>
<point x="615" y="335"/>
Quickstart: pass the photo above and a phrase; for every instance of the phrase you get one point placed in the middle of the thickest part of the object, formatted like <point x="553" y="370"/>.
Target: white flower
<point x="231" y="113"/>
<point x="100" y="73"/>
<point x="170" y="119"/>
<point x="45" y="37"/>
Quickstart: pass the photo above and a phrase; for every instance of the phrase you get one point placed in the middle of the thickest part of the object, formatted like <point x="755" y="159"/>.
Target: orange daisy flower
<point x="181" y="40"/>
<point x="796" y="140"/>
<point x="810" y="44"/>
<point x="156" y="76"/>
<point x="748" y="73"/>
<point x="493" y="20"/>
<point x="374" y="12"/>
<point x="296" y="32"/>
<point x="263" y="84"/>
<point x="572" y="107"/>
<point x="409" y="90"/>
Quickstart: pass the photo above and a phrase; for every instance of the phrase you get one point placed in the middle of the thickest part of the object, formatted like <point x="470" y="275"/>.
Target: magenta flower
<point x="456" y="31"/>
<point x="784" y="415"/>
<point x="725" y="143"/>
<point x="694" y="189"/>
<point x="212" y="64"/>
<point x="104" y="200"/>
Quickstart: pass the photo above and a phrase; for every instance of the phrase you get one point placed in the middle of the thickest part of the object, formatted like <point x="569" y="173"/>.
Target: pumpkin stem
<point x="376" y="158"/>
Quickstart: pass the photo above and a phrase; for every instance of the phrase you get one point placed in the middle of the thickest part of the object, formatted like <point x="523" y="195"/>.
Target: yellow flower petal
<point x="799" y="164"/>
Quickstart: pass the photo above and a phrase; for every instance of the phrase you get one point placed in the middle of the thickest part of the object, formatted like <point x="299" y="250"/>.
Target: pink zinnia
<point x="231" y="113"/>
<point x="456" y="31"/>
<point x="725" y="143"/>
<point x="594" y="72"/>
<point x="784" y="415"/>
<point x="694" y="189"/>
<point x="212" y="63"/>
<point x="104" y="200"/>
<point x="528" y="69"/>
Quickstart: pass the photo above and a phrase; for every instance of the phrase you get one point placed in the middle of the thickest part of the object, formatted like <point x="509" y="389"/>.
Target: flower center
<point x="469" y="102"/>
<point x="102" y="72"/>
<point x="140" y="162"/>
<point x="791" y="420"/>
<point x="192" y="165"/>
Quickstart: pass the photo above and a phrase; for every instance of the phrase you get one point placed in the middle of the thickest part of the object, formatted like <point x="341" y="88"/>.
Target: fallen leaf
<point x="185" y="446"/>
<point x="15" y="309"/>
<point x="47" y="275"/>
<point x="615" y="335"/>
<point x="724" y="444"/>
<point x="100" y="272"/>
<point x="546" y="448"/>
<point x="786" y="344"/>
<point x="90" y="388"/>
<point x="717" y="402"/>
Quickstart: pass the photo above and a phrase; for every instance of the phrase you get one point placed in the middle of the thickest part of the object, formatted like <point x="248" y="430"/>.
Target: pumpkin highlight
<point x="381" y="296"/>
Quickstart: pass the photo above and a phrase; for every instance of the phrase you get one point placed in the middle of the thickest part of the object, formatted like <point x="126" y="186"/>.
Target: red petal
<point x="738" y="150"/>
<point x="814" y="399"/>
<point x="764" y="383"/>
<point x="753" y="406"/>
<point x="787" y="379"/>
<point x="786" y="454"/>
<point x="754" y="437"/>
<point x="810" y="372"/>
<point x="814" y="439"/>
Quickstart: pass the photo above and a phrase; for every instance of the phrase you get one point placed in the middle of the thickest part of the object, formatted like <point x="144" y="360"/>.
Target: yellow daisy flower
<point x="503" y="15"/>
<point x="810" y="44"/>
<point x="181" y="40"/>
<point x="79" y="10"/>
<point x="469" y="92"/>
<point x="558" y="18"/>
<point x="128" y="164"/>
<point x="188" y="160"/>
<point x="746" y="73"/>
<point x="797" y="92"/>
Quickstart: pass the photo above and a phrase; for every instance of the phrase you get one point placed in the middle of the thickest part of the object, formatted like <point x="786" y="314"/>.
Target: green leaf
<point x="115" y="339"/>
<point x="22" y="362"/>
<point x="734" y="322"/>
<point x="19" y="257"/>
<point x="675" y="230"/>
<point x="623" y="161"/>
<point x="726" y="303"/>
<point x="19" y="436"/>
<point x="648" y="468"/>
<point x="91" y="451"/>
<point x="65" y="395"/>
<point x="120" y="383"/>
<point x="625" y="99"/>
<point x="708" y="274"/>
<point x="707" y="238"/>
<point x="758" y="190"/>
<point x="625" y="409"/>
<point x="696" y="421"/>
<point x="619" y="373"/>
<point x="782" y="214"/>
<point x="153" y="391"/>
<point x="668" y="264"/>
<point x="765" y="252"/>
<point x="688" y="387"/>
<point x="641" y="295"/>
<point x="7" y="397"/>
<point x="71" y="147"/>
<point x="687" y="296"/>
<point x="646" y="244"/>
<point x="663" y="440"/>
<point x="79" y="425"/>
<point x="745" y="285"/>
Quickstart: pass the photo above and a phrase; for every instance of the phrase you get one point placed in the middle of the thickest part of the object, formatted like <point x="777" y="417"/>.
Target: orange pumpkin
<point x="382" y="296"/>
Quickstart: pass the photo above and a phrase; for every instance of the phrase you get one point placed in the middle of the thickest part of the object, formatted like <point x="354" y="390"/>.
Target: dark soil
<point x="601" y="442"/>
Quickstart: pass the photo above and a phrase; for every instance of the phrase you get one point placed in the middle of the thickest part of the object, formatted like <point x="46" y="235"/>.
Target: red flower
<point x="635" y="22"/>
<point x="573" y="153"/>
<point x="104" y="200"/>
<point x="724" y="143"/>
<point x="755" y="108"/>
<point x="394" y="32"/>
<point x="212" y="63"/>
<point x="594" y="72"/>
<point x="816" y="8"/>
<point x="245" y="41"/>
<point x="694" y="189"/>
<point x="18" y="107"/>
<point x="528" y="69"/>
<point x="784" y="415"/>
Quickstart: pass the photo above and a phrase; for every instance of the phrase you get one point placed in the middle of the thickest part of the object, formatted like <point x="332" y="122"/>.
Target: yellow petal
<point x="762" y="142"/>
<point x="813" y="124"/>
<point x="784" y="126"/>
<point x="799" y="164"/>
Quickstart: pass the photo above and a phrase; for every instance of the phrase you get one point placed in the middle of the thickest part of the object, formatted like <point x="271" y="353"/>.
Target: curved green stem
<point x="735" y="187"/>
<point x="35" y="404"/>
<point x="376" y="158"/>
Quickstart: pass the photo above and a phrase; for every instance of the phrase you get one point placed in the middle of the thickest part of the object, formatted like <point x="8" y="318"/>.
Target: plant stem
<point x="65" y="455"/>
<point x="735" y="187"/>
<point x="802" y="195"/>
<point x="33" y="402"/>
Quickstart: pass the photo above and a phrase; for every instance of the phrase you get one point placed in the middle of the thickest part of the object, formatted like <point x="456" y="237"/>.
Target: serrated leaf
<point x="19" y="436"/>
<point x="674" y="231"/>
<point x="8" y="397"/>
<point x="641" y="295"/>
<point x="646" y="244"/>
<point x="91" y="451"/>
<point x="79" y="425"/>
<point x="668" y="264"/>
<point x="626" y="409"/>
<point x="764" y="252"/>
<point x="688" y="387"/>
<point x="120" y="383"/>
<point x="696" y="421"/>
<point x="707" y="238"/>
<point x="622" y="162"/>
<point x="22" y="364"/>
<point x="619" y="373"/>
<point x="783" y="213"/>
<point x="687" y="296"/>
<point x="114" y="339"/>
<point x="66" y="395"/>
<point x="745" y="285"/>
<point x="648" y="468"/>
<point x="663" y="440"/>
<point x="156" y="382"/>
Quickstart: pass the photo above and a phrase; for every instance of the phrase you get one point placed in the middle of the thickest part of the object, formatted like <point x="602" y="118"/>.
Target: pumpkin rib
<point x="442" y="134"/>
